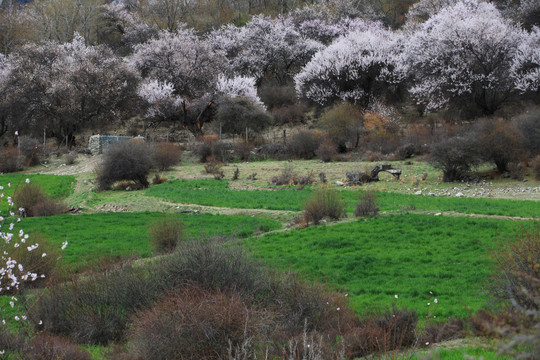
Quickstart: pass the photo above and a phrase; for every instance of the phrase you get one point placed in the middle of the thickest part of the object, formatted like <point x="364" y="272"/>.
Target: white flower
<point x="16" y="133"/>
<point x="427" y="342"/>
<point x="17" y="318"/>
<point x="338" y="309"/>
<point x="435" y="301"/>
<point x="428" y="304"/>
<point x="27" y="180"/>
<point x="44" y="254"/>
<point x="396" y="296"/>
<point x="64" y="244"/>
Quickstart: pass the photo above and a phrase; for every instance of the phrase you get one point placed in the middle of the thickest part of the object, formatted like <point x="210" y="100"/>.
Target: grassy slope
<point x="409" y="255"/>
<point x="120" y="234"/>
<point x="218" y="193"/>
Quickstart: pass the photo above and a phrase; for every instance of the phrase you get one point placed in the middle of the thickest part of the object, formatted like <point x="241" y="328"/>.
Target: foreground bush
<point x="193" y="323"/>
<point x="35" y="202"/>
<point x="129" y="161"/>
<point x="165" y="233"/>
<point x="324" y="203"/>
<point x="166" y="155"/>
<point x="49" y="347"/>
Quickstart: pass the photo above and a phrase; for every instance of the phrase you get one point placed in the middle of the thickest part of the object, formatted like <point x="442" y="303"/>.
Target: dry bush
<point x="343" y="125"/>
<point x="129" y="161"/>
<point x="499" y="142"/>
<point x="10" y="160"/>
<point x="376" y="156"/>
<point x="50" y="347"/>
<point x="213" y="167"/>
<point x="273" y="95"/>
<point x="454" y="328"/>
<point x="165" y="233"/>
<point x="367" y="205"/>
<point x="528" y="125"/>
<point x="236" y="174"/>
<point x="243" y="151"/>
<point x="393" y="329"/>
<point x="158" y="179"/>
<point x="535" y="165"/>
<point x="209" y="148"/>
<point x="49" y="207"/>
<point x="166" y="155"/>
<point x="303" y="144"/>
<point x="95" y="309"/>
<point x="518" y="274"/>
<point x="10" y="340"/>
<point x="327" y="151"/>
<point x="29" y="148"/>
<point x="287" y="177"/>
<point x="325" y="202"/>
<point x="207" y="263"/>
<point x="35" y="202"/>
<point x="455" y="157"/>
<point x="293" y="114"/>
<point x="35" y="262"/>
<point x="70" y="158"/>
<point x="193" y="323"/>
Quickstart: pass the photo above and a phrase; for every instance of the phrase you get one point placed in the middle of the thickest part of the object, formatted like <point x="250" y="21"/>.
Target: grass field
<point x="114" y="235"/>
<point x="58" y="187"/>
<point x="218" y="193"/>
<point x="406" y="255"/>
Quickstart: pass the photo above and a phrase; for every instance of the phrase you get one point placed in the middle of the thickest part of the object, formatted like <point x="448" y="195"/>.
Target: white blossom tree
<point x="462" y="56"/>
<point x="526" y="64"/>
<point x="265" y="48"/>
<point x="358" y="67"/>
<point x="183" y="69"/>
<point x="69" y="87"/>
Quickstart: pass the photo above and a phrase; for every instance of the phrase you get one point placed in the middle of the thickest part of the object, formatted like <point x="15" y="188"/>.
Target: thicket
<point x="130" y="161"/>
<point x="33" y="201"/>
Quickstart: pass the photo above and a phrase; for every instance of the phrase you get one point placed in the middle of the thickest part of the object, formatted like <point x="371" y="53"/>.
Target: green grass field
<point x="406" y="255"/>
<point x="218" y="193"/>
<point x="58" y="187"/>
<point x="102" y="235"/>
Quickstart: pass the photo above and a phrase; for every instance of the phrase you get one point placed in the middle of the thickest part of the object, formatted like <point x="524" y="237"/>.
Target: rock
<point x="438" y="214"/>
<point x="419" y="192"/>
<point x="339" y="183"/>
<point x="459" y="194"/>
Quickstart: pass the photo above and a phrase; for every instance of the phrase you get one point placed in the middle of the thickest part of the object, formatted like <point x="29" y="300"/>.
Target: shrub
<point x="535" y="165"/>
<point x="35" y="202"/>
<point x="207" y="263"/>
<point x="213" y="167"/>
<point x="287" y="177"/>
<point x="96" y="308"/>
<point x="29" y="148"/>
<point x="50" y="347"/>
<point x="303" y="144"/>
<point x="343" y="125"/>
<point x="193" y="324"/>
<point x="9" y="340"/>
<point x="327" y="151"/>
<point x="165" y="233"/>
<point x="125" y="161"/>
<point x="273" y="95"/>
<point x="70" y="158"/>
<point x="498" y="142"/>
<point x="209" y="149"/>
<point x="35" y="262"/>
<point x="367" y="205"/>
<point x="324" y="203"/>
<point x="237" y="114"/>
<point x="158" y="179"/>
<point x="455" y="157"/>
<point x="10" y="160"/>
<point x="528" y="125"/>
<point x="166" y="155"/>
<point x="243" y="151"/>
<point x="518" y="273"/>
<point x="293" y="114"/>
<point x="379" y="333"/>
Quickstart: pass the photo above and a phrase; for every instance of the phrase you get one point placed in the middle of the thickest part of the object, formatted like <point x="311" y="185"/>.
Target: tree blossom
<point x="358" y="67"/>
<point x="463" y="56"/>
<point x="526" y="64"/>
<point x="239" y="86"/>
